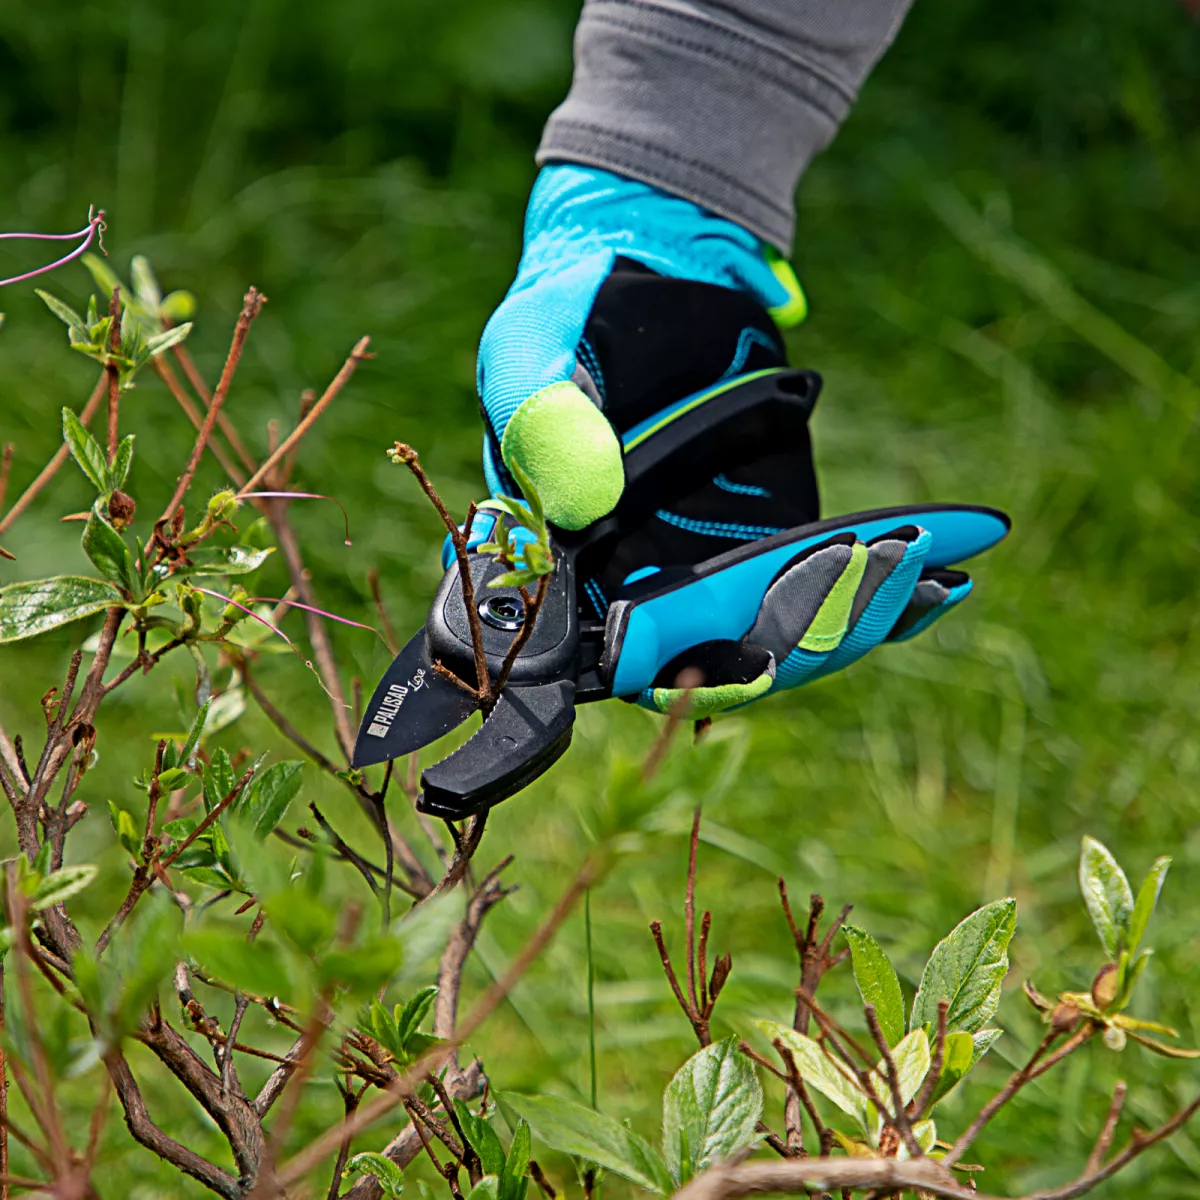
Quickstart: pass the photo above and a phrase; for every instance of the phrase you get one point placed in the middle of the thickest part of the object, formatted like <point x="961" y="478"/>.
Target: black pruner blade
<point x="524" y="736"/>
<point x="412" y="707"/>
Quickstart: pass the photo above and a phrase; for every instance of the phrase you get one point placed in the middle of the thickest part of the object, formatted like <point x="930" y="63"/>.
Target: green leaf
<point x="218" y="779"/>
<point x="409" y="1018"/>
<point x="983" y="1041"/>
<point x="378" y="1167"/>
<point x="712" y="1107"/>
<point x="513" y="579"/>
<point x="225" y="560"/>
<point x="911" y="1056"/>
<point x="257" y="968"/>
<point x="571" y="1128"/>
<point x="209" y="877"/>
<point x="530" y="494"/>
<point x="178" y="306"/>
<point x="1106" y="893"/>
<point x="1147" y="898"/>
<point x="513" y="1179"/>
<point x="65" y="313"/>
<point x="220" y="847"/>
<point x="488" y="1188"/>
<point x="831" y="1078"/>
<point x="270" y="793"/>
<point x="926" y="1134"/>
<point x="1163" y="1048"/>
<point x="41" y="861"/>
<point x="105" y="277"/>
<point x="145" y="286"/>
<point x="173" y="778"/>
<point x="877" y="982"/>
<point x="107" y="550"/>
<point x="226" y="708"/>
<point x="125" y="829"/>
<point x="39" y="605"/>
<point x="483" y="1138"/>
<point x="85" y="450"/>
<point x="119" y="473"/>
<point x="957" y="1059"/>
<point x="193" y="738"/>
<point x="151" y="951"/>
<point x="160" y="342"/>
<point x="61" y="884"/>
<point x="967" y="968"/>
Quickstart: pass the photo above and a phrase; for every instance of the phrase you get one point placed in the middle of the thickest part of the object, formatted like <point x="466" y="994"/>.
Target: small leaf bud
<point x="223" y="506"/>
<point x="121" y="509"/>
<point x="1104" y="986"/>
<point x="1064" y="1018"/>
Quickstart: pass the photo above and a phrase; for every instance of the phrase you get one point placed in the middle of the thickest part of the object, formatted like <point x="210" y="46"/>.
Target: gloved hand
<point x="825" y="609"/>
<point x="533" y="355"/>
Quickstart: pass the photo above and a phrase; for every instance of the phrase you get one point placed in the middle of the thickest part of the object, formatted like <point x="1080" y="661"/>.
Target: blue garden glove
<point x="824" y="611"/>
<point x="533" y="356"/>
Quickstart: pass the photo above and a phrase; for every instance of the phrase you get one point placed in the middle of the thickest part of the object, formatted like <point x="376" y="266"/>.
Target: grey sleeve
<point x="723" y="102"/>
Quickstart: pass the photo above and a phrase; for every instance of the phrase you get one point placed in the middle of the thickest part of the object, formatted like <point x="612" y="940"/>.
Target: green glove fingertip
<point x="705" y="701"/>
<point x="566" y="446"/>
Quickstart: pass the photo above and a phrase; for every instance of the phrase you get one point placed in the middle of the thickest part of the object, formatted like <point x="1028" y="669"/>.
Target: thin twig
<point x="825" y="1138"/>
<point x="389" y="630"/>
<point x="1039" y="1063"/>
<point x="406" y="455"/>
<point x="6" y="457"/>
<point x="251" y="307"/>
<point x="1104" y="1140"/>
<point x="318" y="634"/>
<point x="538" y="1177"/>
<point x="185" y="360"/>
<point x="113" y="373"/>
<point x="163" y="369"/>
<point x="350" y="1100"/>
<point x="900" y="1117"/>
<point x="3" y="1092"/>
<point x="284" y="726"/>
<point x="208" y="821"/>
<point x="932" y="1077"/>
<point x="884" y="1175"/>
<point x="689" y="912"/>
<point x="533" y="605"/>
<point x="370" y="1112"/>
<point x="339" y="381"/>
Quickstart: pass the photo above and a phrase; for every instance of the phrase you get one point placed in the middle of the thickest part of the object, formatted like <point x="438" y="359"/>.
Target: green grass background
<point x="1001" y="255"/>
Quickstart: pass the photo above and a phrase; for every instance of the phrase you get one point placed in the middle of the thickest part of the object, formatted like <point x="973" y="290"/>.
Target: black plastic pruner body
<point x="530" y="724"/>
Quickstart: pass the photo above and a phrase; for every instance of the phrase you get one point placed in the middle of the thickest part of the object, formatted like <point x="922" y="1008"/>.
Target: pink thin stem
<point x="249" y="611"/>
<point x="320" y="612"/>
<point x="88" y="233"/>
<point x="275" y="629"/>
<point x="302" y="496"/>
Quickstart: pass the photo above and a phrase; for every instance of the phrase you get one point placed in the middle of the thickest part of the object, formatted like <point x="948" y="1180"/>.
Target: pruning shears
<point x="586" y="646"/>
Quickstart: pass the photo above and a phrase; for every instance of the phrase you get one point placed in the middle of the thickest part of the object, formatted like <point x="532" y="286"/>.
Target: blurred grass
<point x="1001" y="253"/>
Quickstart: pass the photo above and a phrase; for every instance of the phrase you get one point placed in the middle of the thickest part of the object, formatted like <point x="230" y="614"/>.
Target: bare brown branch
<point x="371" y="1111"/>
<point x="164" y="371"/>
<point x="251" y="307"/>
<point x="1039" y="1063"/>
<point x="328" y="396"/>
<point x="113" y="374"/>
